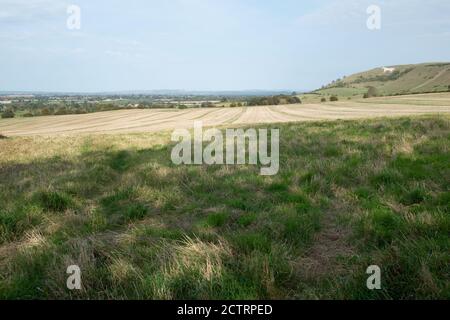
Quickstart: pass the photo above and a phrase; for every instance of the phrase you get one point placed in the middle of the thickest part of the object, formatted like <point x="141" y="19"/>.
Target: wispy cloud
<point x="30" y="10"/>
<point x="344" y="13"/>
<point x="335" y="13"/>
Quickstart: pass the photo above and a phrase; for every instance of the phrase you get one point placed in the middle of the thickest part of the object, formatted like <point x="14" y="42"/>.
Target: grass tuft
<point x="53" y="201"/>
<point x="217" y="219"/>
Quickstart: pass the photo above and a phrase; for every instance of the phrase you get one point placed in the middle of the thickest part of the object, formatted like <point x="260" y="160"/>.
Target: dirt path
<point x="329" y="244"/>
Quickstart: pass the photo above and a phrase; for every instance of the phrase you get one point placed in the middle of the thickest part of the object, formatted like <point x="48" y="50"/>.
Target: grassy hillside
<point x="349" y="194"/>
<point x="405" y="79"/>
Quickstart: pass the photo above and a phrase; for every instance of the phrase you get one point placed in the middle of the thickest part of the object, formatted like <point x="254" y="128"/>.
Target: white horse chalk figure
<point x="388" y="70"/>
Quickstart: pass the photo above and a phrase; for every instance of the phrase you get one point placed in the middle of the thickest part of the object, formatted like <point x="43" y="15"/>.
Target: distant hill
<point x="394" y="80"/>
<point x="172" y="93"/>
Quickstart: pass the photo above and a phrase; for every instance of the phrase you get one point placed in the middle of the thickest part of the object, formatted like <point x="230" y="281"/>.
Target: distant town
<point x="43" y="104"/>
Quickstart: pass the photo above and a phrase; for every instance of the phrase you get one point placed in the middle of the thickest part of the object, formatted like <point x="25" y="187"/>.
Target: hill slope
<point x="393" y="80"/>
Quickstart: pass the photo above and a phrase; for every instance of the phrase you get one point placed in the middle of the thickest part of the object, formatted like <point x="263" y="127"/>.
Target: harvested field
<point x="126" y="121"/>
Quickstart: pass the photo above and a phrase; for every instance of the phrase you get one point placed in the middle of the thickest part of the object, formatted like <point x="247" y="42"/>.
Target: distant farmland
<point x="126" y="121"/>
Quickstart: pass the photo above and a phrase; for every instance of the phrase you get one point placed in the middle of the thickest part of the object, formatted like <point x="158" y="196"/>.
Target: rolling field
<point x="128" y="121"/>
<point x="349" y="194"/>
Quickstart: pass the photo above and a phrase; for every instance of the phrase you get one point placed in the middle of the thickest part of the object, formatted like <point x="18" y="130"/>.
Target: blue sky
<point x="211" y="44"/>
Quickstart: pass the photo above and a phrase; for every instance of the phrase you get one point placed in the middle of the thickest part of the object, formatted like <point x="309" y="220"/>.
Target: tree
<point x="8" y="114"/>
<point x="46" y="112"/>
<point x="294" y="100"/>
<point x="372" y="92"/>
<point x="207" y="105"/>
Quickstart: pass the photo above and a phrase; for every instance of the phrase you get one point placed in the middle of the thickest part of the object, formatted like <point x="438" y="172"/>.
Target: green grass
<point x="349" y="194"/>
<point x="53" y="201"/>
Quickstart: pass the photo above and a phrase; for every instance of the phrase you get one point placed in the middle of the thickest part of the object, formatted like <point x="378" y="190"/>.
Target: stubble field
<point x="129" y="121"/>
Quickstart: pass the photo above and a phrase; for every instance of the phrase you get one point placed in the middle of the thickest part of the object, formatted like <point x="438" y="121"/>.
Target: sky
<point x="211" y="44"/>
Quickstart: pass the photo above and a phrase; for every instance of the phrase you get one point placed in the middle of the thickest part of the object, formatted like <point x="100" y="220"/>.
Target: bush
<point x="294" y="100"/>
<point x="273" y="100"/>
<point x="207" y="105"/>
<point x="3" y="137"/>
<point x="28" y="115"/>
<point x="46" y="112"/>
<point x="323" y="100"/>
<point x="8" y="114"/>
<point x="371" y="92"/>
<point x="334" y="98"/>
<point x="61" y="111"/>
